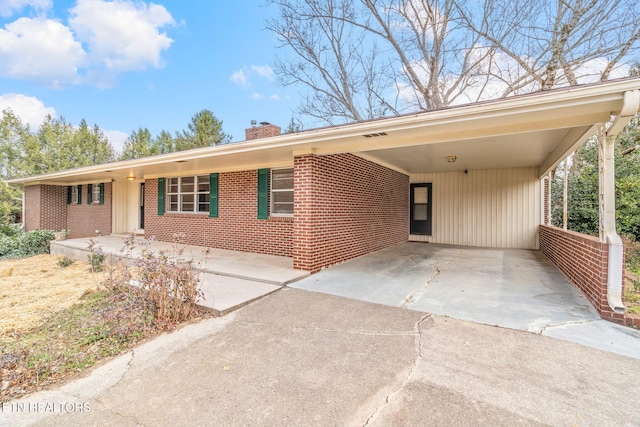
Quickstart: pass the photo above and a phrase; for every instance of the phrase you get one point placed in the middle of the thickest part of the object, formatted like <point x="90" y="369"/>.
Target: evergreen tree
<point x="139" y="144"/>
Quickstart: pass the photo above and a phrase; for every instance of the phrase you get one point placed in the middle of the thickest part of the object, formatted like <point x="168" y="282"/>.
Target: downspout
<point x="608" y="232"/>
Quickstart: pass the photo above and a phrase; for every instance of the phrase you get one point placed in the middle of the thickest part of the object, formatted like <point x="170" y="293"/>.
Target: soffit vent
<point x="373" y="135"/>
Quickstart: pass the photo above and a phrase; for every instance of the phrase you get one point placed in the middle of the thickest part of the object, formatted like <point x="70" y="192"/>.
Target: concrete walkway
<point x="511" y="288"/>
<point x="298" y="358"/>
<point x="230" y="279"/>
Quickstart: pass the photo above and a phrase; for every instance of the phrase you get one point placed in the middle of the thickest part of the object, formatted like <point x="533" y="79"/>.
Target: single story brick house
<point x="475" y="175"/>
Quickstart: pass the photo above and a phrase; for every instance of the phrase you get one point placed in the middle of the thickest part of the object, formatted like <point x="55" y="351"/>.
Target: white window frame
<point x="196" y="193"/>
<point x="74" y="194"/>
<point x="95" y="193"/>
<point x="282" y="190"/>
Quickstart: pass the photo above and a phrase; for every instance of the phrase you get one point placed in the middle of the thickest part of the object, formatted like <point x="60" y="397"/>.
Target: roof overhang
<point x="534" y="130"/>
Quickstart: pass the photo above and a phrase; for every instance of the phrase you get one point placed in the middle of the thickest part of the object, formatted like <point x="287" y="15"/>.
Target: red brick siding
<point x="345" y="207"/>
<point x="84" y="219"/>
<point x="584" y="260"/>
<point x="236" y="228"/>
<point x="32" y="195"/>
<point x="45" y="207"/>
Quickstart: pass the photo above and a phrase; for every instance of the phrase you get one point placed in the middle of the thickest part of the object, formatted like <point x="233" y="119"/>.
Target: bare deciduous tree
<point x="363" y="59"/>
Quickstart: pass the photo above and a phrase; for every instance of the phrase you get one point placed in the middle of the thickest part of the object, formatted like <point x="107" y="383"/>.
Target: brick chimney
<point x="265" y="130"/>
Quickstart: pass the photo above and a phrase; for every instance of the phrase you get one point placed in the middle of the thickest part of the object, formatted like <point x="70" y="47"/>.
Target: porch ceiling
<point x="535" y="130"/>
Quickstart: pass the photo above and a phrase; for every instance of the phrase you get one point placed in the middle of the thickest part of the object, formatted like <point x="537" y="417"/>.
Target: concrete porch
<point x="230" y="279"/>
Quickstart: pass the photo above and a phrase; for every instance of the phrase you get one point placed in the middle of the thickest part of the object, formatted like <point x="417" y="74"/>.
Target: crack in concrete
<point x="418" y="343"/>
<point x="559" y="325"/>
<point x="414" y="296"/>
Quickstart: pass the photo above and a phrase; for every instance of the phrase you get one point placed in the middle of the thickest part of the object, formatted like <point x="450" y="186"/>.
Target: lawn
<point x="58" y="319"/>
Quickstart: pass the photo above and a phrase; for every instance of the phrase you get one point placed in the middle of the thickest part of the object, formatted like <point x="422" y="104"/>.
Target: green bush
<point x="10" y="230"/>
<point x="8" y="246"/>
<point x="25" y="244"/>
<point x="65" y="261"/>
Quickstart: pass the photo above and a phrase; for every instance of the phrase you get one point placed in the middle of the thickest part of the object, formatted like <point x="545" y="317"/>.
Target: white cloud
<point x="39" y="49"/>
<point x="122" y="35"/>
<point x="256" y="95"/>
<point x="9" y="7"/>
<point x="275" y="97"/>
<point x="30" y="109"/>
<point x="116" y="138"/>
<point x="242" y="76"/>
<point x="103" y="38"/>
<point x="264" y="71"/>
<point x="239" y="77"/>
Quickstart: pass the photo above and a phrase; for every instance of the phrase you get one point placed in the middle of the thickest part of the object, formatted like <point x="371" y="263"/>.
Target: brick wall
<point x="32" y="207"/>
<point x="83" y="220"/>
<point x="345" y="207"/>
<point x="45" y="207"/>
<point x="584" y="260"/>
<point x="236" y="228"/>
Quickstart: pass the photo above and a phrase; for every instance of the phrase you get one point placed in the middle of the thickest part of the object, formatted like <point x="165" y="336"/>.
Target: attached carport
<point x="512" y="288"/>
<point x="487" y="170"/>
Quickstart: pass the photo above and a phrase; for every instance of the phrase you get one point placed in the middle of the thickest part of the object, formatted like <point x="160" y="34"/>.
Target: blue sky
<point x="127" y="64"/>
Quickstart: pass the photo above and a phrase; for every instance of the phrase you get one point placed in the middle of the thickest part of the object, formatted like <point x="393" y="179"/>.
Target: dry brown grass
<point x="33" y="288"/>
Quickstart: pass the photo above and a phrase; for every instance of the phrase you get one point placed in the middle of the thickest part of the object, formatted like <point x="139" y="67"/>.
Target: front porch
<point x="229" y="280"/>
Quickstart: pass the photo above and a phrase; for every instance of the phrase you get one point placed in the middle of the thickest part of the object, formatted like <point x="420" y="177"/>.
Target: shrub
<point x="96" y="256"/>
<point x="10" y="229"/>
<point x="25" y="244"/>
<point x="35" y="242"/>
<point x="65" y="261"/>
<point x="170" y="284"/>
<point x="8" y="246"/>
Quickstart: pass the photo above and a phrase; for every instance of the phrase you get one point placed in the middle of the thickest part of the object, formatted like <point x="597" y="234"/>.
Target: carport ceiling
<point x="528" y="149"/>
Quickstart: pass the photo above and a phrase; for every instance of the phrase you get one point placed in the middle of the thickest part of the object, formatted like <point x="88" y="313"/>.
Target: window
<point x="282" y="191"/>
<point x="95" y="193"/>
<point x="188" y="194"/>
<point x="75" y="190"/>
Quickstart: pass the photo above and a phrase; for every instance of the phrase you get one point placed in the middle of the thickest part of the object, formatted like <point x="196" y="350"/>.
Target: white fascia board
<point x="485" y="114"/>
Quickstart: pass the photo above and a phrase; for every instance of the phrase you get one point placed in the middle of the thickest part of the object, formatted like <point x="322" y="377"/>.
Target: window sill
<point x="281" y="218"/>
<point x="188" y="214"/>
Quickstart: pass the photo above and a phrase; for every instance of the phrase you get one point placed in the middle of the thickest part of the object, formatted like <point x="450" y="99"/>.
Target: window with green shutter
<point x="89" y="193"/>
<point x="213" y="195"/>
<point x="79" y="201"/>
<point x="102" y="193"/>
<point x="69" y="193"/>
<point x="263" y="193"/>
<point x="161" y="190"/>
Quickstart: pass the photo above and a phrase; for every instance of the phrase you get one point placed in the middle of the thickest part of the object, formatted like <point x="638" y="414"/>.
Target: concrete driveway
<point x="511" y="288"/>
<point x="298" y="358"/>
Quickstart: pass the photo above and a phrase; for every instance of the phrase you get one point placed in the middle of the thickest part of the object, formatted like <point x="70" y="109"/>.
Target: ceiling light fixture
<point x="131" y="178"/>
<point x="451" y="159"/>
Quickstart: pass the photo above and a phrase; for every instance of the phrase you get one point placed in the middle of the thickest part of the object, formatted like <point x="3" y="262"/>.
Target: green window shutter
<point x="160" y="196"/>
<point x="79" y="194"/>
<point x="68" y="194"/>
<point x="263" y="193"/>
<point x="102" y="193"/>
<point x="89" y="193"/>
<point x="213" y="195"/>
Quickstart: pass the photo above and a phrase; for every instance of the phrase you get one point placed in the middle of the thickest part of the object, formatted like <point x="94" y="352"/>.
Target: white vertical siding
<point x="125" y="206"/>
<point x="498" y="208"/>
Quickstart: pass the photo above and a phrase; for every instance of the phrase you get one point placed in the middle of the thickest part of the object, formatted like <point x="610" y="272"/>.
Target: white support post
<point x="565" y="195"/>
<point x="607" y="219"/>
